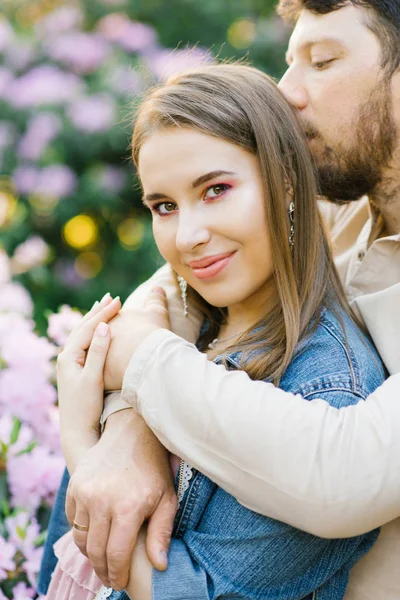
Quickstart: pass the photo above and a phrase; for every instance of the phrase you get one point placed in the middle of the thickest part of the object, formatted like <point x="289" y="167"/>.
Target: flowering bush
<point x="67" y="81"/>
<point x="31" y="464"/>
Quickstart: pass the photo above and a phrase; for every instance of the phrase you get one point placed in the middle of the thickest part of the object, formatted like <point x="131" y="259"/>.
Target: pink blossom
<point x="62" y="323"/>
<point x="34" y="477"/>
<point x="7" y="552"/>
<point x="22" y="348"/>
<point x="23" y="531"/>
<point x="15" y="298"/>
<point x="22" y="592"/>
<point x="25" y="436"/>
<point x="131" y="35"/>
<point x="112" y="178"/>
<point x="42" y="130"/>
<point x="32" y="565"/>
<point x="43" y="85"/>
<point x="82" y="52"/>
<point x="26" y="179"/>
<point x="93" y="114"/>
<point x="63" y="18"/>
<point x="137" y="37"/>
<point x="49" y="435"/>
<point x="165" y="63"/>
<point x="21" y="54"/>
<point x="126" y="81"/>
<point x="31" y="253"/>
<point x="27" y="395"/>
<point x="56" y="180"/>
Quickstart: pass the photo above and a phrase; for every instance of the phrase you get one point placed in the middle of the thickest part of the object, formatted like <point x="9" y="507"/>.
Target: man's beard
<point x="349" y="171"/>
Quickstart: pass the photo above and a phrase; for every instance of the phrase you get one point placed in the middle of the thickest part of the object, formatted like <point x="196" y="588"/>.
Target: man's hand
<point x="120" y="483"/>
<point x="128" y="330"/>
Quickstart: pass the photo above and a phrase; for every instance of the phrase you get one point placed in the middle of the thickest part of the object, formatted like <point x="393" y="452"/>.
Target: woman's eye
<point x="216" y="190"/>
<point x="164" y="208"/>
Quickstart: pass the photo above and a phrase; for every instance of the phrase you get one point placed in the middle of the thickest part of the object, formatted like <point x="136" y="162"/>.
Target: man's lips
<point x="210" y="266"/>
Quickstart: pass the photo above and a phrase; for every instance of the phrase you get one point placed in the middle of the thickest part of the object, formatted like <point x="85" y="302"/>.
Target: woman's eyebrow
<point x="196" y="183"/>
<point x="153" y="197"/>
<point x="211" y="175"/>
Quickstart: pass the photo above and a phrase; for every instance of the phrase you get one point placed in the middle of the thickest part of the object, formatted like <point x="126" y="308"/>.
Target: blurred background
<point x="70" y="212"/>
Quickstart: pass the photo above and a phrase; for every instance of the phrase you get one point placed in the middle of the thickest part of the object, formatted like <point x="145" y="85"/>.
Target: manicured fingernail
<point x="115" y="300"/>
<point x="95" y="304"/>
<point x="163" y="557"/>
<point x="102" y="329"/>
<point x="105" y="298"/>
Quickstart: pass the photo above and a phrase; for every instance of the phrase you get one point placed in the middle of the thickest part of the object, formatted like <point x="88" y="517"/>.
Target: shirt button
<point x="360" y="255"/>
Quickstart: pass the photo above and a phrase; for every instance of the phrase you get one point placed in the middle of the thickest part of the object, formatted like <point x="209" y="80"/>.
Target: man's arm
<point x="333" y="473"/>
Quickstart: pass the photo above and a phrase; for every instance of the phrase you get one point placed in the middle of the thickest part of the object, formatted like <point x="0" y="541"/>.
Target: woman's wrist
<point x="75" y="444"/>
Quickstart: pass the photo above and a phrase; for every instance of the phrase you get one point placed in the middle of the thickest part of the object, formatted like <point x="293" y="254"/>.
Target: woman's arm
<point x="333" y="473"/>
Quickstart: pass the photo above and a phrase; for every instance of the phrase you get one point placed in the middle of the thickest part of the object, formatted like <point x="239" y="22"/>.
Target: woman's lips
<point x="213" y="268"/>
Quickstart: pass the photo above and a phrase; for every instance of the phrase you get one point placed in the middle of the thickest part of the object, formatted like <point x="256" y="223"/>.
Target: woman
<point x="229" y="181"/>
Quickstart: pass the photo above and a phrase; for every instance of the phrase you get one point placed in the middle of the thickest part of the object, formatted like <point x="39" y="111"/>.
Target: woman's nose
<point x="293" y="89"/>
<point x="192" y="231"/>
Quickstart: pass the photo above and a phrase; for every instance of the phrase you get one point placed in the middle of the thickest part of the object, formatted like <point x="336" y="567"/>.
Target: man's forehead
<point x="341" y="26"/>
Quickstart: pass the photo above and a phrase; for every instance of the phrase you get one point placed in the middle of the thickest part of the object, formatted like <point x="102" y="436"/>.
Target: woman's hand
<point x="128" y="330"/>
<point x="80" y="379"/>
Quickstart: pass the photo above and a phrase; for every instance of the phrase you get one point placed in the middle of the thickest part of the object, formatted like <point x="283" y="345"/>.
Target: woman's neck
<point x="244" y="315"/>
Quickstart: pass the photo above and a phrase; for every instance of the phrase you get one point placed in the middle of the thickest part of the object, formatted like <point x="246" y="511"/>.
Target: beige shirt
<point x="332" y="472"/>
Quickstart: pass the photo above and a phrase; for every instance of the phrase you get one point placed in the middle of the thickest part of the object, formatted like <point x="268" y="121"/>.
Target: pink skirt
<point x="73" y="577"/>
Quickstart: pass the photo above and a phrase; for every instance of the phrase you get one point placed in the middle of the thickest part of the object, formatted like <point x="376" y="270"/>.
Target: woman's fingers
<point x="82" y="338"/>
<point x="97" y="353"/>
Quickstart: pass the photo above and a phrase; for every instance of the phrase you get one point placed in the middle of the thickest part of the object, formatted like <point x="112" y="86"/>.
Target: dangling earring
<point x="291" y="222"/>
<point x="183" y="287"/>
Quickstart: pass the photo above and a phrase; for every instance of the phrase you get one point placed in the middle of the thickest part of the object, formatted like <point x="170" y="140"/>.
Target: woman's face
<point x="207" y="202"/>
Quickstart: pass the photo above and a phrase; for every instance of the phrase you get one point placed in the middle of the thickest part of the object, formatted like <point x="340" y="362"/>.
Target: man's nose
<point x="293" y="89"/>
<point x="192" y="231"/>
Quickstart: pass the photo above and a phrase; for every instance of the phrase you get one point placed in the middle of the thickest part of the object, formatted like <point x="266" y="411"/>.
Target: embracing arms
<point x="327" y="471"/>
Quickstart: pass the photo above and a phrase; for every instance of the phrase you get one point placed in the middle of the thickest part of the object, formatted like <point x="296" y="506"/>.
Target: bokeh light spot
<point x="81" y="231"/>
<point x="241" y="33"/>
<point x="130" y="233"/>
<point x="88" y="265"/>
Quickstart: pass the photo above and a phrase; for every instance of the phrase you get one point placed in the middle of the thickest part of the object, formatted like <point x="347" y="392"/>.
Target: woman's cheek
<point x="164" y="237"/>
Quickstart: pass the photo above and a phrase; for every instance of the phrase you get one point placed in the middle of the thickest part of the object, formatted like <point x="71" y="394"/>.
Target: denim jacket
<point x="220" y="549"/>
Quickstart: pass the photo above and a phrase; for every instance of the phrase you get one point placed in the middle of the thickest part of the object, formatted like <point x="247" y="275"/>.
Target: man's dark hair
<point x="384" y="21"/>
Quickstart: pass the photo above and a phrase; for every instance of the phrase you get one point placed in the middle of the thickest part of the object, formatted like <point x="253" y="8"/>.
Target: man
<point x="333" y="473"/>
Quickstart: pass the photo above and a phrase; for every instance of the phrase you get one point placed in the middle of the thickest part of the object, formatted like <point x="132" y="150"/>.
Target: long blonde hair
<point x="243" y="106"/>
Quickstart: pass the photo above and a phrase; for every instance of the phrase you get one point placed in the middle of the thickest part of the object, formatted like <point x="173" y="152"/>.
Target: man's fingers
<point x="97" y="353"/>
<point x="159" y="531"/>
<point x="121" y="542"/>
<point x="81" y="521"/>
<point x="96" y="546"/>
<point x="157" y="301"/>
